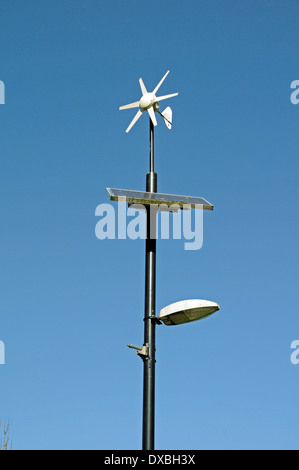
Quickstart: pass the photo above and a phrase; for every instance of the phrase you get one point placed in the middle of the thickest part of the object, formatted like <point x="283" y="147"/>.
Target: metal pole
<point x="152" y="150"/>
<point x="148" y="442"/>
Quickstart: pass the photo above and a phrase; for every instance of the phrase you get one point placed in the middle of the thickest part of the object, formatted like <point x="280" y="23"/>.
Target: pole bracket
<point x="154" y="319"/>
<point x="142" y="352"/>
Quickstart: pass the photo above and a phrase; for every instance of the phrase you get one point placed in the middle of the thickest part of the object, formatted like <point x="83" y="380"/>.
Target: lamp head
<point x="187" y="311"/>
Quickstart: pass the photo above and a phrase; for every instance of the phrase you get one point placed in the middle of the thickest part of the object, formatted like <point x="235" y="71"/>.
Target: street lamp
<point x="187" y="311"/>
<point x="180" y="312"/>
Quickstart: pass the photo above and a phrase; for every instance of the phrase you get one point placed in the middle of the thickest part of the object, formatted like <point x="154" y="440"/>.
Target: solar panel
<point x="146" y="198"/>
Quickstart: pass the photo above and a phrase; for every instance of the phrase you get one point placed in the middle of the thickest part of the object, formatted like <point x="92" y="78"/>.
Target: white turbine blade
<point x="128" y="106"/>
<point x="151" y="112"/>
<point x="142" y="86"/>
<point x="137" y="116"/>
<point x="160" y="83"/>
<point x="160" y="98"/>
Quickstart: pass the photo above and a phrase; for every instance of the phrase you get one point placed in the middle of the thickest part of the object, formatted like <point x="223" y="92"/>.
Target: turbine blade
<point x="160" y="83"/>
<point x="151" y="112"/>
<point x="131" y="105"/>
<point x="142" y="86"/>
<point x="137" y="116"/>
<point x="160" y="98"/>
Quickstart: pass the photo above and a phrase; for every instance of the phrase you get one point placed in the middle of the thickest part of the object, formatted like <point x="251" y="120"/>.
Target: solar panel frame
<point x="146" y="198"/>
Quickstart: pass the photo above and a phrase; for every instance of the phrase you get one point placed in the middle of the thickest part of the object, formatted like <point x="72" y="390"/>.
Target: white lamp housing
<point x="187" y="311"/>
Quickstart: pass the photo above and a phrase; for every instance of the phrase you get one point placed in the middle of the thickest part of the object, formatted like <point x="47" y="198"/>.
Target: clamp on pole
<point x="154" y="319"/>
<point x="142" y="352"/>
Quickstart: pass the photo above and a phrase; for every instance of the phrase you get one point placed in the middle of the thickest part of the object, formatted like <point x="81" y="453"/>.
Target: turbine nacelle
<point x="150" y="102"/>
<point x="147" y="101"/>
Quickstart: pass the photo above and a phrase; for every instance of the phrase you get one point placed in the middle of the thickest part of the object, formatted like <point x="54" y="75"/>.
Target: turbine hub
<point x="147" y="101"/>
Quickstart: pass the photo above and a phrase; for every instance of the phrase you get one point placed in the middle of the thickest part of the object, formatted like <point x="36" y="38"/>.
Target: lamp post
<point x="180" y="312"/>
<point x="150" y="312"/>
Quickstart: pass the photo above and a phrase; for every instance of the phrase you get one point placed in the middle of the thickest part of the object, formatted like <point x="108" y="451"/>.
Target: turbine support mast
<point x="148" y="438"/>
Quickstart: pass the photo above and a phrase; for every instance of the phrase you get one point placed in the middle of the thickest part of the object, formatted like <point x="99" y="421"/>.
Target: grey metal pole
<point x="149" y="360"/>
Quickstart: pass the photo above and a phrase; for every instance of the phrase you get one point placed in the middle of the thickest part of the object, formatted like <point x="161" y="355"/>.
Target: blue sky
<point x="69" y="302"/>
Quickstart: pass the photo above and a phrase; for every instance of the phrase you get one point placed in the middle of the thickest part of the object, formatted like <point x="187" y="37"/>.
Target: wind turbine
<point x="150" y="102"/>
